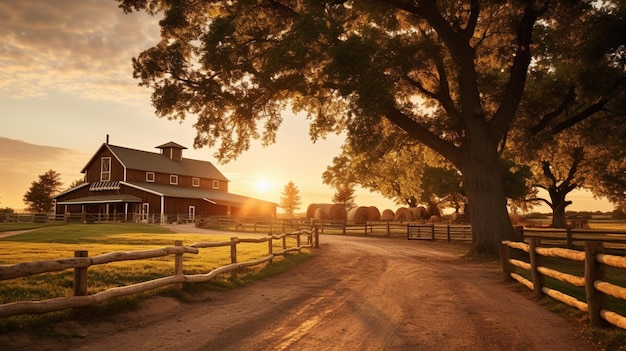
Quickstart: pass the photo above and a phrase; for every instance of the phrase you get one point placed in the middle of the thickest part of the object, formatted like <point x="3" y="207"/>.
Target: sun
<point x="263" y="185"/>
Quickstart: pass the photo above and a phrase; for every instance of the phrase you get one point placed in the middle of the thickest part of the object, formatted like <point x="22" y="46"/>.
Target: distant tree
<point x="5" y="212"/>
<point x="344" y="195"/>
<point x="388" y="163"/>
<point x="442" y="188"/>
<point x="290" y="199"/>
<point x="76" y="183"/>
<point x="39" y="196"/>
<point x="559" y="185"/>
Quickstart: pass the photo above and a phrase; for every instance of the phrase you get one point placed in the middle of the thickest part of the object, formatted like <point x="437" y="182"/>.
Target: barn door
<point x="192" y="214"/>
<point x="145" y="211"/>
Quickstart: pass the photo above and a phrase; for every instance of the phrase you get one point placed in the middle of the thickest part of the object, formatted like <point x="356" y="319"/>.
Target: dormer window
<point x="216" y="184"/>
<point x="105" y="169"/>
<point x="150" y="177"/>
<point x="195" y="182"/>
<point x="173" y="179"/>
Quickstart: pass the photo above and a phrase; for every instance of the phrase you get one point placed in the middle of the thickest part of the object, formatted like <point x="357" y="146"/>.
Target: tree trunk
<point x="558" y="207"/>
<point x="558" y="217"/>
<point x="487" y="202"/>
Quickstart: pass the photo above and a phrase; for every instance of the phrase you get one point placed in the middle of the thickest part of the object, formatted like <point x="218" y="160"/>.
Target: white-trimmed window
<point x="216" y="184"/>
<point x="150" y="177"/>
<point x="195" y="182"/>
<point x="105" y="169"/>
<point x="173" y="179"/>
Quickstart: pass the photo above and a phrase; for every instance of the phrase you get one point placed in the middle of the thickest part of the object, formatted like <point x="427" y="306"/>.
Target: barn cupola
<point x="172" y="151"/>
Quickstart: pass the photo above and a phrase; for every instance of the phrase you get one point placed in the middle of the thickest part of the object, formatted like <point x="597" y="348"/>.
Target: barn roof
<point x="155" y="162"/>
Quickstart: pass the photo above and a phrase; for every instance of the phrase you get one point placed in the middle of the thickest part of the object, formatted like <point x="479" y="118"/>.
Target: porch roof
<point x="213" y="196"/>
<point x="101" y="199"/>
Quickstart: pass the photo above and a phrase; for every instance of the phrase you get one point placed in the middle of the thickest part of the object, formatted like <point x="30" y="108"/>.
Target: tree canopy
<point x="39" y="195"/>
<point x="450" y="75"/>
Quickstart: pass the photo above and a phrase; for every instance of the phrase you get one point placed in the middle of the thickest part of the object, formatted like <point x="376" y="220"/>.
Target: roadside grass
<point x="11" y="227"/>
<point x="52" y="243"/>
<point x="611" y="338"/>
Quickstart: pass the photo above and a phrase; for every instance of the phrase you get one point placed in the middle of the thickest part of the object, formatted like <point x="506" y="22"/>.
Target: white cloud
<point x="83" y="47"/>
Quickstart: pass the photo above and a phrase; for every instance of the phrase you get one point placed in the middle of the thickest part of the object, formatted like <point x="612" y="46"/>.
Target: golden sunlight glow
<point x="262" y="185"/>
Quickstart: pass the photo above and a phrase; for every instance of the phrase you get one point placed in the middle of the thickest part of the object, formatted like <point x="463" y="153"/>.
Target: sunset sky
<point x="66" y="83"/>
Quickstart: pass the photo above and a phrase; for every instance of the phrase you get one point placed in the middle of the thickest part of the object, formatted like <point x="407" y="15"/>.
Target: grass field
<point x="56" y="242"/>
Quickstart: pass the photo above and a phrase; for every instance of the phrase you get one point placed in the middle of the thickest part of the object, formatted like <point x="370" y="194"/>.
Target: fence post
<point x="178" y="263"/>
<point x="536" y="276"/>
<point x="284" y="242"/>
<point x="316" y="233"/>
<point x="233" y="254"/>
<point x="80" y="276"/>
<point x="568" y="234"/>
<point x="388" y="230"/>
<point x="594" y="270"/>
<point x="433" y="231"/>
<point x="298" y="240"/>
<point x="519" y="233"/>
<point x="270" y="248"/>
<point x="448" y="233"/>
<point x="505" y="256"/>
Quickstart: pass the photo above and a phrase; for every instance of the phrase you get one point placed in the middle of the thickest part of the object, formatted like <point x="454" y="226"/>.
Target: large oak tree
<point x="450" y="74"/>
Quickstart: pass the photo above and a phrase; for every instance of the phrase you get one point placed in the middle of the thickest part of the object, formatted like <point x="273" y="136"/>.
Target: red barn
<point x="134" y="185"/>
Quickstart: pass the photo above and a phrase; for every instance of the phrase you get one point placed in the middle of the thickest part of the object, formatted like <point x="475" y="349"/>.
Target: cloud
<point x="24" y="162"/>
<point x="83" y="47"/>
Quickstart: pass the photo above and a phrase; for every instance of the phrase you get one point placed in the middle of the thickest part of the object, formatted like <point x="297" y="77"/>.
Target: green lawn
<point x="56" y="242"/>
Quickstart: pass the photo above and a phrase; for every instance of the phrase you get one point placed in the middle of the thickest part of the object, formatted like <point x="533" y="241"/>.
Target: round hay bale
<point x="388" y="215"/>
<point x="319" y="215"/>
<point x="358" y="215"/>
<point x="331" y="211"/>
<point x="404" y="214"/>
<point x="458" y="218"/>
<point x="435" y="219"/>
<point x="419" y="212"/>
<point x="373" y="214"/>
<point x="310" y="211"/>
<point x="336" y="212"/>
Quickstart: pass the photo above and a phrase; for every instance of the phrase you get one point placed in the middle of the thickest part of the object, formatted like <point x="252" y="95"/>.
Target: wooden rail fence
<point x="81" y="262"/>
<point x="596" y="287"/>
<point x="574" y="238"/>
<point x="411" y="230"/>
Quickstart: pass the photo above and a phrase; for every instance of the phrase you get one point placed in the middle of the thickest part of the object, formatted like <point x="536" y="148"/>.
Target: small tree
<point x="39" y="196"/>
<point x="344" y="195"/>
<point x="290" y="198"/>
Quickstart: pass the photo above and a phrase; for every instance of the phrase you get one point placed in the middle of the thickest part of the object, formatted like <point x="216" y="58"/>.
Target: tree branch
<point x="518" y="72"/>
<point x="547" y="171"/>
<point x="425" y="136"/>
<point x="540" y="199"/>
<point x="473" y="19"/>
<point x="569" y="98"/>
<point x="579" y="117"/>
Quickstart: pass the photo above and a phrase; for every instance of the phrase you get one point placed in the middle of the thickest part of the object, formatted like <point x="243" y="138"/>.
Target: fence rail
<point x="81" y="262"/>
<point x="575" y="238"/>
<point x="594" y="280"/>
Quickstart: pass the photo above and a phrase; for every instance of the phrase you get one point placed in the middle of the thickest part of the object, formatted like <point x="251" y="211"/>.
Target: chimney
<point x="107" y="141"/>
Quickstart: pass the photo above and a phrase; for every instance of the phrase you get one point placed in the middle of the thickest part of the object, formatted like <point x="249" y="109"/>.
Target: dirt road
<point x="354" y="294"/>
